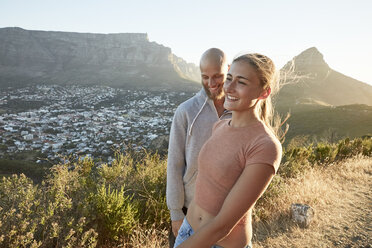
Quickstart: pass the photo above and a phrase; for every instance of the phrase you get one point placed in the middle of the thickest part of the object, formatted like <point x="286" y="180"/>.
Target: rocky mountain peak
<point x="315" y="83"/>
<point x="310" y="60"/>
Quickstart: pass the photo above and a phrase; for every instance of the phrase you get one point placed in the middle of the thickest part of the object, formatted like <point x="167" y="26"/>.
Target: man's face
<point x="213" y="77"/>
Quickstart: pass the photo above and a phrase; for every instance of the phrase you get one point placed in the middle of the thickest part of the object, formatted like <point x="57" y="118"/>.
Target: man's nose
<point x="212" y="82"/>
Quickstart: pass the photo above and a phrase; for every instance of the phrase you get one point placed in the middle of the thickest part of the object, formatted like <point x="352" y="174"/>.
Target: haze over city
<point x="279" y="29"/>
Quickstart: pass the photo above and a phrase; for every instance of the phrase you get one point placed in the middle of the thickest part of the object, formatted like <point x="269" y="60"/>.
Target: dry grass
<point x="340" y="195"/>
<point x="150" y="238"/>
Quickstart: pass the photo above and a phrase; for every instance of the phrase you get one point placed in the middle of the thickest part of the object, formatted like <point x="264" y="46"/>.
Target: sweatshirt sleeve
<point x="175" y="193"/>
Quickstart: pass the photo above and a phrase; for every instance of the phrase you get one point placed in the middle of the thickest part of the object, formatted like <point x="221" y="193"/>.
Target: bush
<point x="144" y="175"/>
<point x="348" y="148"/>
<point x="295" y="161"/>
<point x="114" y="213"/>
<point x="81" y="204"/>
<point x="33" y="216"/>
<point x="325" y="153"/>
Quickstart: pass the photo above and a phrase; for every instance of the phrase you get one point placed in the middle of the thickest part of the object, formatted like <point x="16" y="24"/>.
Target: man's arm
<point x="175" y="193"/>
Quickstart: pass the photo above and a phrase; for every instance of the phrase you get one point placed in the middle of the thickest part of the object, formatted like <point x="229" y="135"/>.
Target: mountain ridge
<point x="122" y="59"/>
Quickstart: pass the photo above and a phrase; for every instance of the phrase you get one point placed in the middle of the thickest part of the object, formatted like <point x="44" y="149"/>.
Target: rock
<point x="310" y="60"/>
<point x="302" y="214"/>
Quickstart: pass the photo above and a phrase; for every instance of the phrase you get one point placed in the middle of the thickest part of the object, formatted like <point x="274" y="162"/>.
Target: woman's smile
<point x="231" y="98"/>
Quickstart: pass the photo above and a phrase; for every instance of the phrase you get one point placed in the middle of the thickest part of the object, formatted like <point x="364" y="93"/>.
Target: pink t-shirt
<point x="224" y="156"/>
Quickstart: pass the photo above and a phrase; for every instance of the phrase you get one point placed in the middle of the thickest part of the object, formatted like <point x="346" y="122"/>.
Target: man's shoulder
<point x="192" y="103"/>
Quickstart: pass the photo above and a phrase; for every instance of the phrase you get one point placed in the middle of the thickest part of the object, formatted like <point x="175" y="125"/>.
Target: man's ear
<point x="265" y="93"/>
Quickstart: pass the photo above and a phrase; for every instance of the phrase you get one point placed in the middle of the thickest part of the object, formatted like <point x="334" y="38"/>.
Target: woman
<point x="237" y="163"/>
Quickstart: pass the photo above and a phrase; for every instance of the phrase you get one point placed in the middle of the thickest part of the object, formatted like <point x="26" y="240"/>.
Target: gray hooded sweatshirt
<point x="191" y="127"/>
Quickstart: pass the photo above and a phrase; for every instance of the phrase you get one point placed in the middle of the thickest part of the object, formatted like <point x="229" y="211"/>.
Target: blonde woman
<point x="237" y="162"/>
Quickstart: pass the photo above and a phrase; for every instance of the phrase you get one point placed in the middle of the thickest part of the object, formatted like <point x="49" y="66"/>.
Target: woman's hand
<point x="176" y="227"/>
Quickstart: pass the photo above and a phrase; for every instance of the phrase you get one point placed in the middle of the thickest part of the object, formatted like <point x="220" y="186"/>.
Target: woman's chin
<point x="229" y="105"/>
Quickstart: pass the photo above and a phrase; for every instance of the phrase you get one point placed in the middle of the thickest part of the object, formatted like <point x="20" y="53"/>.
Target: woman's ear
<point x="265" y="93"/>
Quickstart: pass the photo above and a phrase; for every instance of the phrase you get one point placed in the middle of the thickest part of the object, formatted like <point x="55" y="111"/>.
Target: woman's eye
<point x="242" y="82"/>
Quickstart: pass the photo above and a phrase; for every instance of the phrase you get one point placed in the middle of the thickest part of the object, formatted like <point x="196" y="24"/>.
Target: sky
<point x="280" y="29"/>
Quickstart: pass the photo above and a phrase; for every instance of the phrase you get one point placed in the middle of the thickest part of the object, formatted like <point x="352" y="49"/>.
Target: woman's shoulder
<point x="266" y="137"/>
<point x="264" y="149"/>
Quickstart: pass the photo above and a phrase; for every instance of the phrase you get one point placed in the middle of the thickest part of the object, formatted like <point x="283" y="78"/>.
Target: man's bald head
<point x="213" y="56"/>
<point x="213" y="68"/>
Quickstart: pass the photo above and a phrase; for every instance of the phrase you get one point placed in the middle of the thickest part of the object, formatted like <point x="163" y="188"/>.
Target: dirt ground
<point x="342" y="199"/>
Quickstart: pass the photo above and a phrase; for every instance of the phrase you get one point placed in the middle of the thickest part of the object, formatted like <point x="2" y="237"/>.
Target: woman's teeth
<point x="232" y="98"/>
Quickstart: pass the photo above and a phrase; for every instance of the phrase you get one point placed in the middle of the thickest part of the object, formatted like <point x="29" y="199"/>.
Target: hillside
<point x="82" y="203"/>
<point x="341" y="196"/>
<point x="120" y="60"/>
<point x="320" y="84"/>
<point x="324" y="104"/>
<point x="330" y="122"/>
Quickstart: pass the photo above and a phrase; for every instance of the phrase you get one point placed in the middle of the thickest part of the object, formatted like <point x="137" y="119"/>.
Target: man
<point x="191" y="127"/>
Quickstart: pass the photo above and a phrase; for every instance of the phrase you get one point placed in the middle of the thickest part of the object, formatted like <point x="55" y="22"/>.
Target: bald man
<point x="191" y="127"/>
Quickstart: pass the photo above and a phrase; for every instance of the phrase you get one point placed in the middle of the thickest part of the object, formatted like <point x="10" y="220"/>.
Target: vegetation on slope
<point x="80" y="204"/>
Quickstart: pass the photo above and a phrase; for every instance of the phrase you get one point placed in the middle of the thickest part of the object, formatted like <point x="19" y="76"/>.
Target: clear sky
<point x="281" y="29"/>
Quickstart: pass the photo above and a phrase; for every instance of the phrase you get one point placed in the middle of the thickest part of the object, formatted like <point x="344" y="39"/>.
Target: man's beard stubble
<point x="219" y="96"/>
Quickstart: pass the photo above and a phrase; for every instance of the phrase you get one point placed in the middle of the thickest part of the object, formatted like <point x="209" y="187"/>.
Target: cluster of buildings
<point x="85" y="121"/>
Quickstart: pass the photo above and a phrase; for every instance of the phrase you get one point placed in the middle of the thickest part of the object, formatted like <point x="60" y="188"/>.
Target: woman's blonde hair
<point x="269" y="78"/>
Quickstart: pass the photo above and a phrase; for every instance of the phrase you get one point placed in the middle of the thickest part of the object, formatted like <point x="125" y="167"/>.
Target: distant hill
<point x="331" y="123"/>
<point x="324" y="102"/>
<point x="120" y="60"/>
<point x="321" y="85"/>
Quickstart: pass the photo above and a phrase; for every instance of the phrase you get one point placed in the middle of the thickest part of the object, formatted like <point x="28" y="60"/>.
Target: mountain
<point x="321" y="85"/>
<point x="324" y="104"/>
<point x="121" y="60"/>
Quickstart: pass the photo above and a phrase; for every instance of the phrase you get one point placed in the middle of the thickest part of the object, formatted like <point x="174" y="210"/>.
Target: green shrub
<point x="114" y="213"/>
<point x="145" y="180"/>
<point x="367" y="146"/>
<point x="38" y="216"/>
<point x="295" y="161"/>
<point x="325" y="153"/>
<point x="348" y="148"/>
<point x="149" y="185"/>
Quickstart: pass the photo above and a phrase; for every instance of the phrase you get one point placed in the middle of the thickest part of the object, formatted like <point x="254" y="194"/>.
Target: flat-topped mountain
<point x="321" y="85"/>
<point x="122" y="60"/>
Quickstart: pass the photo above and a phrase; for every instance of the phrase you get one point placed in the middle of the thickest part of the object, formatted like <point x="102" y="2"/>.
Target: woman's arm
<point x="251" y="184"/>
